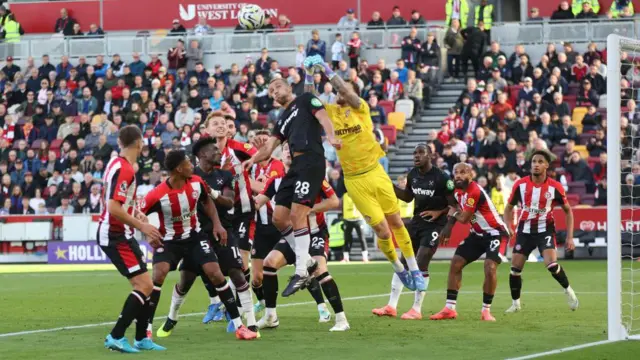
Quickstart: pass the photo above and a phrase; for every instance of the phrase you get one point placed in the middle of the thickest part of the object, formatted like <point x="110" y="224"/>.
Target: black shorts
<point x="195" y="251"/>
<point x="424" y="234"/>
<point x="267" y="237"/>
<point x="228" y="257"/>
<point x="125" y="255"/>
<point x="474" y="246"/>
<point x="525" y="243"/>
<point x="242" y="230"/>
<point x="303" y="181"/>
<point x="319" y="246"/>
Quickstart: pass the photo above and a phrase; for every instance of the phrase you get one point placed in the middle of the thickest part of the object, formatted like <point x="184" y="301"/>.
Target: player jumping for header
<point x="487" y="229"/>
<point x="368" y="185"/>
<point x="537" y="195"/>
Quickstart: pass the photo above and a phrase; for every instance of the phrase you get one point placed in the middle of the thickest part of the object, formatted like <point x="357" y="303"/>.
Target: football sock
<point x="419" y="295"/>
<point x="142" y="319"/>
<point x="404" y="243"/>
<point x="330" y="289"/>
<point x="259" y="293"/>
<point x="235" y="293"/>
<point x="177" y="299"/>
<point x="247" y="303"/>
<point x="316" y="292"/>
<point x="396" y="290"/>
<point x="558" y="273"/>
<point x="365" y="255"/>
<point x="153" y="301"/>
<point x="226" y="295"/>
<point x="132" y="307"/>
<point x="487" y="299"/>
<point x="452" y="299"/>
<point x="389" y="251"/>
<point x="247" y="275"/>
<point x="515" y="282"/>
<point x="270" y="287"/>
<point x="302" y="240"/>
<point x="287" y="234"/>
<point x="345" y="256"/>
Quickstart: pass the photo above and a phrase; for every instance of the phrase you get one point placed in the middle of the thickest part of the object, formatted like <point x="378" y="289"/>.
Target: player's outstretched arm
<point x="264" y="153"/>
<point x="569" y="220"/>
<point x="345" y="90"/>
<point x="327" y="125"/>
<point x="115" y="209"/>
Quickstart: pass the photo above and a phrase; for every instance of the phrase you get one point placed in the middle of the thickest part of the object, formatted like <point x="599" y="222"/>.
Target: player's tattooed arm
<point x="346" y="91"/>
<point x="569" y="220"/>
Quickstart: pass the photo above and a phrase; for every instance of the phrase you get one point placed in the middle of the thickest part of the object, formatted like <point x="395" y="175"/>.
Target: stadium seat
<point x="584" y="138"/>
<point x="574" y="199"/>
<point x="15" y="144"/>
<point x="582" y="150"/>
<point x="55" y="144"/>
<point x="603" y="101"/>
<point x="21" y="121"/>
<point x="36" y="144"/>
<point x="578" y="114"/>
<point x="577" y="187"/>
<point x="592" y="161"/>
<point x="387" y="105"/>
<point x="397" y="120"/>
<point x="390" y="133"/>
<point x="571" y="101"/>
<point x="588" y="199"/>
<point x="490" y="162"/>
<point x="573" y="88"/>
<point x="405" y="106"/>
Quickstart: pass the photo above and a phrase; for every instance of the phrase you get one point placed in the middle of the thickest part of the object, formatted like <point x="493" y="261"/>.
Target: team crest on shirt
<point x="123" y="186"/>
<point x="518" y="247"/>
<point x="160" y="250"/>
<point x="470" y="201"/>
<point x="273" y="173"/>
<point x="220" y="182"/>
<point x="143" y="203"/>
<point x="194" y="195"/>
<point x="431" y="183"/>
<point x="548" y="195"/>
<point x="247" y="146"/>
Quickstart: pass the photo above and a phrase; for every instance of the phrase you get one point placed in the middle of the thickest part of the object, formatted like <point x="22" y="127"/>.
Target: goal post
<point x="623" y="246"/>
<point x="616" y="330"/>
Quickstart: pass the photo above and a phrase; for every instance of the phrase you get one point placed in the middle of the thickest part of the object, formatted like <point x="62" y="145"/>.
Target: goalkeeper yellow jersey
<point x="360" y="151"/>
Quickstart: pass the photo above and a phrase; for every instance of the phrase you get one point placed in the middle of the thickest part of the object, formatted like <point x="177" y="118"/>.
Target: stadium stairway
<point x="416" y="132"/>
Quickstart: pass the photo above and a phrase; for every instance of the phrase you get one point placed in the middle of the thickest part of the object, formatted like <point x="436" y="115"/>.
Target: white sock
<point x="341" y="317"/>
<point x="396" y="290"/>
<point x="412" y="264"/>
<point x="270" y="312"/>
<point x="568" y="290"/>
<point x="516" y="302"/>
<point x="247" y="305"/>
<point x="365" y="255"/>
<point x="291" y="240"/>
<point x="233" y="291"/>
<point x="397" y="266"/>
<point x="214" y="300"/>
<point x="237" y="322"/>
<point x="417" y="301"/>
<point x="262" y="302"/>
<point x="486" y="306"/>
<point x="345" y="256"/>
<point x="302" y="240"/>
<point x="451" y="304"/>
<point x="176" y="302"/>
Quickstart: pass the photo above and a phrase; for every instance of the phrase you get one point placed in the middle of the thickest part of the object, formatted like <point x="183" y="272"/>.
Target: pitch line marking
<point x="562" y="350"/>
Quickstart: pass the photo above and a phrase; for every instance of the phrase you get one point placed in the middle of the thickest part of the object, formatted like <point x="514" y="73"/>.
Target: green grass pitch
<point x="44" y="300"/>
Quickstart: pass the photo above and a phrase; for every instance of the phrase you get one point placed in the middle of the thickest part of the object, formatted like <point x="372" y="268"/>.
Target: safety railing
<point x="227" y="42"/>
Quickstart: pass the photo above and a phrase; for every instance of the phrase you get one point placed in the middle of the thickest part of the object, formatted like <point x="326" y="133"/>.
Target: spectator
<point x="586" y="95"/>
<point x="202" y="28"/>
<point x="338" y="50"/>
<point x="17" y="175"/>
<point x="598" y="83"/>
<point x="566" y="132"/>
<point x="64" y="24"/>
<point x="580" y="171"/>
<point x="267" y="27"/>
<point x="87" y="104"/>
<point x="587" y="12"/>
<point x="444" y="135"/>
<point x="177" y="28"/>
<point x="77" y="32"/>
<point x="10" y="69"/>
<point x="348" y="22"/>
<point x="547" y="131"/>
<point x="413" y="88"/>
<point x="184" y="116"/>
<point x="476" y="42"/>
<point x="484" y="13"/>
<point x="417" y="19"/>
<point x="393" y="88"/>
<point x="263" y="65"/>
<point x="454" y="43"/>
<point x="559" y="106"/>
<point x="411" y="49"/>
<point x="137" y="66"/>
<point x="316" y="46"/>
<point x="65" y="208"/>
<point x="396" y="19"/>
<point x="600" y="169"/>
<point x="354" y="47"/>
<point x="95" y="31"/>
<point x="377" y="113"/>
<point x="620" y="9"/>
<point x="578" y="5"/>
<point x="563" y="12"/>
<point x="376" y="22"/>
<point x="502" y="106"/>
<point x="284" y="24"/>
<point x="403" y="72"/>
<point x="45" y="68"/>
<point x="591" y="120"/>
<point x="176" y="58"/>
<point x="579" y="69"/>
<point x="534" y="15"/>
<point x="327" y="96"/>
<point x="457" y="10"/>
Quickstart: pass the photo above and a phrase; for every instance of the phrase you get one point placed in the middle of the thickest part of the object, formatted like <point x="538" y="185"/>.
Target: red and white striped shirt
<point x="273" y="170"/>
<point x="119" y="184"/>
<point x="239" y="152"/>
<point x="537" y="202"/>
<point x="177" y="208"/>
<point x="485" y="221"/>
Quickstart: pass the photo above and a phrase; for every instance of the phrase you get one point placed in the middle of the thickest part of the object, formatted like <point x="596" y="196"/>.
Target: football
<point x="251" y="17"/>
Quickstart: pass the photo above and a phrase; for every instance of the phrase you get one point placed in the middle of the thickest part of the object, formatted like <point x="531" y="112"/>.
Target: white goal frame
<point x="616" y="329"/>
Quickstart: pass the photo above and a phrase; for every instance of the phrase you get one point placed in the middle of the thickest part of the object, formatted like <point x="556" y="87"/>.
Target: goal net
<point x="623" y="190"/>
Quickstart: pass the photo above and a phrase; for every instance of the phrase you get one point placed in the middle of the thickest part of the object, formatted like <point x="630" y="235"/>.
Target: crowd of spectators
<point x="59" y="122"/>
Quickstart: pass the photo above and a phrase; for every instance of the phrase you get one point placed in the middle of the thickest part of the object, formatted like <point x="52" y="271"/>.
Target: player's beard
<point x="461" y="184"/>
